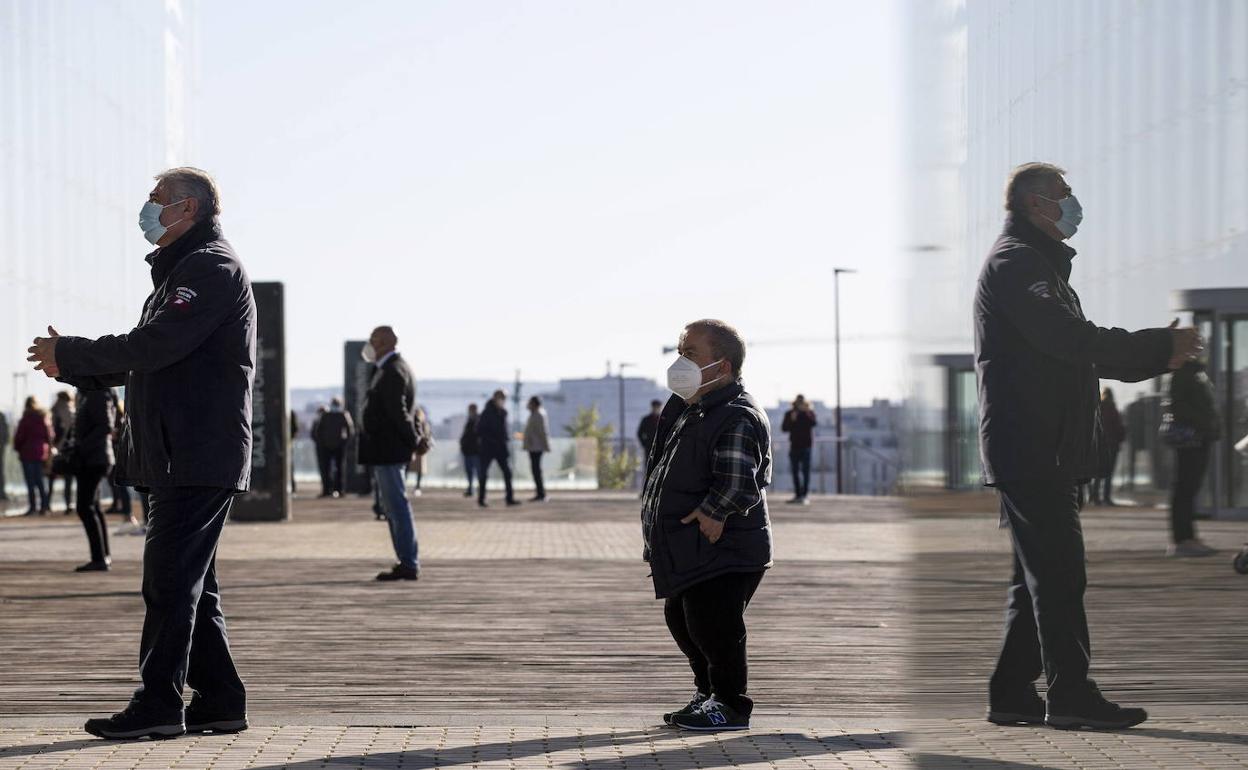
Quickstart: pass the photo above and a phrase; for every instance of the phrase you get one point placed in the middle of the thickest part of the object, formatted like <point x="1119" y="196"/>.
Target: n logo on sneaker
<point x="717" y="717"/>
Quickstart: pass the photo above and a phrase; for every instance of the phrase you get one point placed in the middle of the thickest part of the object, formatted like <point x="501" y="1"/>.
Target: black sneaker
<point x="129" y="725"/>
<point x="711" y="716"/>
<point x="513" y="503"/>
<point x="200" y="720"/>
<point x="1092" y="712"/>
<point x="1024" y="707"/>
<point x="93" y="566"/>
<point x="698" y="699"/>
<point x="399" y="572"/>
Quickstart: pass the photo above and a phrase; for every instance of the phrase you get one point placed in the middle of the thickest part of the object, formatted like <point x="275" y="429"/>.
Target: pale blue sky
<point x="551" y="185"/>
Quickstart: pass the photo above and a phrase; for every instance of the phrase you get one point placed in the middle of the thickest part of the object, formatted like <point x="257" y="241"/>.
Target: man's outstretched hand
<point x="43" y="353"/>
<point x="1185" y="344"/>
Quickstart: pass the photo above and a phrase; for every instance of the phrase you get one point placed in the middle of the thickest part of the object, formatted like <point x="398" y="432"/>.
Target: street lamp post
<point x="622" y="367"/>
<point x="840" y="436"/>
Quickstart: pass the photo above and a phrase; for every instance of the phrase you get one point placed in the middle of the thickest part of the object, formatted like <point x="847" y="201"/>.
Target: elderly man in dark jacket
<point x="387" y="441"/>
<point x="704" y="520"/>
<point x="495" y="446"/>
<point x="1038" y="361"/>
<point x="188" y="369"/>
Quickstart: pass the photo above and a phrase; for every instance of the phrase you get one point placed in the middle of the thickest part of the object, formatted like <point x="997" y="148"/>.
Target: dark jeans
<point x="121" y="499"/>
<point x="535" y="464"/>
<point x="68" y="491"/>
<point x="1189" y="472"/>
<point x="1101" y="488"/>
<point x="472" y="468"/>
<point x="504" y="465"/>
<point x="708" y="623"/>
<point x="329" y="463"/>
<point x="88" y="508"/>
<point x="184" y="640"/>
<point x="799" y="459"/>
<point x="35" y="482"/>
<point x="1046" y="629"/>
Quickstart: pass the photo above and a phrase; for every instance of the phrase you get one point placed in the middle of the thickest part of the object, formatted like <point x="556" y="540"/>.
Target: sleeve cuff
<point x="718" y="514"/>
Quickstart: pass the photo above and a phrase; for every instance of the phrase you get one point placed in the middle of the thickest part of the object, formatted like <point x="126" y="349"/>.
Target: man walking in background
<point x="649" y="426"/>
<point x="188" y="368"/>
<point x="1038" y="361"/>
<point x="537" y="443"/>
<point x="387" y="441"/>
<point x="331" y="434"/>
<point x="704" y="518"/>
<point x="495" y="444"/>
<point x="799" y="422"/>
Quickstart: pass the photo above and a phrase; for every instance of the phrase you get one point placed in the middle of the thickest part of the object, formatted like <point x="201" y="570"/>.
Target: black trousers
<point x="708" y="623"/>
<point x="1046" y="630"/>
<point x="184" y="640"/>
<point x="1189" y="472"/>
<point x="504" y="465"/>
<point x="535" y="464"/>
<point x="799" y="459"/>
<point x="329" y="463"/>
<point x="88" y="507"/>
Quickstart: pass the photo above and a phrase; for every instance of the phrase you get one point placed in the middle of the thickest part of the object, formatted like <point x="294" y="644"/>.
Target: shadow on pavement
<point x="750" y="749"/>
<point x="1234" y="739"/>
<point x="928" y="761"/>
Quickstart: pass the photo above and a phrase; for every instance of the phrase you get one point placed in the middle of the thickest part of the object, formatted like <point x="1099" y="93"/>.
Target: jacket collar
<point x="721" y="396"/>
<point x="1057" y="253"/>
<point x="165" y="258"/>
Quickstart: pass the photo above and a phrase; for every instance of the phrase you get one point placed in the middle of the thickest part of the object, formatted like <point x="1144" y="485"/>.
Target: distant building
<point x="563" y="402"/>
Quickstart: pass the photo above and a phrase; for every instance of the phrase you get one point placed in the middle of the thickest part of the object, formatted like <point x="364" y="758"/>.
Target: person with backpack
<point x="331" y="435"/>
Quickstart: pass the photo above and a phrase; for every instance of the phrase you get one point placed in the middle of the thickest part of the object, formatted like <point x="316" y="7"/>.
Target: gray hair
<point x="188" y="182"/>
<point x="725" y="341"/>
<point x="1026" y="179"/>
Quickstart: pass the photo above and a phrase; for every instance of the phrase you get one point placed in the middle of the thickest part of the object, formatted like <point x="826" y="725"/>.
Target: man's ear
<point x="190" y="207"/>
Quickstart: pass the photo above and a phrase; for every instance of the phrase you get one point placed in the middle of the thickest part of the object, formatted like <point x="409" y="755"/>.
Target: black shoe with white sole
<point x="698" y="699"/>
<point x="201" y="721"/>
<point x="712" y="716"/>
<point x="130" y="725"/>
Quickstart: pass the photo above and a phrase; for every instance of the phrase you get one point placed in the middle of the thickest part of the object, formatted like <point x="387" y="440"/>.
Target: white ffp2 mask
<point x="684" y="377"/>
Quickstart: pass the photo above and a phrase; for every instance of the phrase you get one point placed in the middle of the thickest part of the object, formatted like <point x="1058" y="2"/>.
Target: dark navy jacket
<point x="387" y="433"/>
<point x="494" y="440"/>
<point x="679" y="554"/>
<point x="187" y="367"/>
<point x="1038" y="361"/>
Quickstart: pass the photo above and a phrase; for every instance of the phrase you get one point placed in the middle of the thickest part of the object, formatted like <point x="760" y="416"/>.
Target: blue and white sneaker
<point x="712" y="716"/>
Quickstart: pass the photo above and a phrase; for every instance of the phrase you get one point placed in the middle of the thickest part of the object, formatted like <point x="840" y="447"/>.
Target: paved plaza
<point x="533" y="640"/>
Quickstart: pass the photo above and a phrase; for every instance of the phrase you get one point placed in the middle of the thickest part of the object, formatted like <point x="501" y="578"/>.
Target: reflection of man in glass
<point x="1039" y="359"/>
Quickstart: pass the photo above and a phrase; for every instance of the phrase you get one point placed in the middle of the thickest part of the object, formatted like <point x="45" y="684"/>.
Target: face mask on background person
<point x="369" y="353"/>
<point x="149" y="220"/>
<point x="684" y="377"/>
<point x="1072" y="215"/>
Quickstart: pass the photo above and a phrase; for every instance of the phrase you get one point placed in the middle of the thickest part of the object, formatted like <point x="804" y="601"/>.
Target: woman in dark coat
<point x="94" y="422"/>
<point x="1193" y="412"/>
<point x="33" y="444"/>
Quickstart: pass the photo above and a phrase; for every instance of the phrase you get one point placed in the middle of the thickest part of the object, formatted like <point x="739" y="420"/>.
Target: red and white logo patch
<point x="181" y="298"/>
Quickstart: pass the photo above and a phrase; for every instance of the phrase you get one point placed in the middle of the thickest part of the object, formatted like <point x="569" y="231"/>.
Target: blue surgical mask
<point x="149" y="220"/>
<point x="1072" y="215"/>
